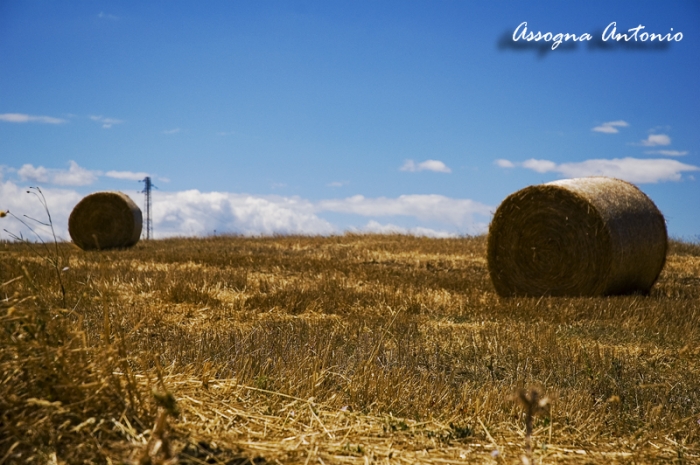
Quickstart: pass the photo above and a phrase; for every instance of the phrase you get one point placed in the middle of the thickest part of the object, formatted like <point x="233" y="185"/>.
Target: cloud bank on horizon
<point x="195" y="213"/>
<point x="198" y="214"/>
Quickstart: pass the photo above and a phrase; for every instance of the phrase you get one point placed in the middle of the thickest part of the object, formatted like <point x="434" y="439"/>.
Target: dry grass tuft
<point x="105" y="220"/>
<point x="348" y="349"/>
<point x="60" y="393"/>
<point x="576" y="237"/>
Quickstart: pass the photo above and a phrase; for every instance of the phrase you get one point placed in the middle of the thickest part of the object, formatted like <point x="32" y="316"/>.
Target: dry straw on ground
<point x="105" y="220"/>
<point x="337" y="350"/>
<point x="576" y="237"/>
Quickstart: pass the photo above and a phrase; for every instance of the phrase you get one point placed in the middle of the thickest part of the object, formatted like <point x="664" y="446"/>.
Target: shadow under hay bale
<point x="576" y="237"/>
<point x="105" y="220"/>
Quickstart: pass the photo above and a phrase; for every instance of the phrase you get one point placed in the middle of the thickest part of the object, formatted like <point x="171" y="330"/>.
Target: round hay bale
<point x="105" y="220"/>
<point x="576" y="237"/>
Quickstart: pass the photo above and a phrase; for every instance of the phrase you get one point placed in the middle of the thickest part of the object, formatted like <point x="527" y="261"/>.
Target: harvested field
<point x="348" y="349"/>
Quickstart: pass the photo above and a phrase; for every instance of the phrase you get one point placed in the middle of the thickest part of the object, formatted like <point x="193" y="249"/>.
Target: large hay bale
<point x="105" y="220"/>
<point x="576" y="237"/>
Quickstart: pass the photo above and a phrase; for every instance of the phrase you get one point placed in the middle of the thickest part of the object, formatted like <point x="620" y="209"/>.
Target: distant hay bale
<point x="105" y="220"/>
<point x="576" y="237"/>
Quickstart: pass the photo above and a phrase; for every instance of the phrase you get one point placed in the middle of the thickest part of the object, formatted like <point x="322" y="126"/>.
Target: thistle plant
<point x="534" y="403"/>
<point x="49" y="253"/>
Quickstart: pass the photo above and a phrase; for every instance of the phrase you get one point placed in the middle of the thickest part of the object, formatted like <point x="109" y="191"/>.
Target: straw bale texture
<point x="105" y="220"/>
<point x="576" y="237"/>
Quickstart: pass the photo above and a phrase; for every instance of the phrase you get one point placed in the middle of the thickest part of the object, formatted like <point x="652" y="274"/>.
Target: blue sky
<point x="318" y="117"/>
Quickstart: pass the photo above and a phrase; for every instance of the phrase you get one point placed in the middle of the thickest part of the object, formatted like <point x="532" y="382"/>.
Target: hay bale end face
<point x="576" y="237"/>
<point x="105" y="220"/>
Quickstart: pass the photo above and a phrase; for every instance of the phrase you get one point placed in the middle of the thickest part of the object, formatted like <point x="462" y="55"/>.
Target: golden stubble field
<point x="346" y="349"/>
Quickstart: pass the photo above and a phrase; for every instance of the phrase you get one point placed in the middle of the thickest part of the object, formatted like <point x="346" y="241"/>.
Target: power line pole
<point x="147" y="190"/>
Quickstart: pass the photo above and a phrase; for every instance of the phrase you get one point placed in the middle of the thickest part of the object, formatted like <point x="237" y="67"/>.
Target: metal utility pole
<point x="147" y="190"/>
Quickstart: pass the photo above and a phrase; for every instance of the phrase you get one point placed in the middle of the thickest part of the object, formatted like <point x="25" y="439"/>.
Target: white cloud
<point x="104" y="15"/>
<point x="74" y="176"/>
<point x="541" y="166"/>
<point x="409" y="165"/>
<point x="611" y="127"/>
<point x="634" y="170"/>
<point x="172" y="131"/>
<point x="504" y="163"/>
<point x="669" y="153"/>
<point x="106" y="122"/>
<point x="656" y="139"/>
<point x="28" y="173"/>
<point x="126" y="175"/>
<point x="375" y="227"/>
<point x="23" y="118"/>
<point x="195" y="213"/>
<point x="427" y="165"/>
<point x="455" y="212"/>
